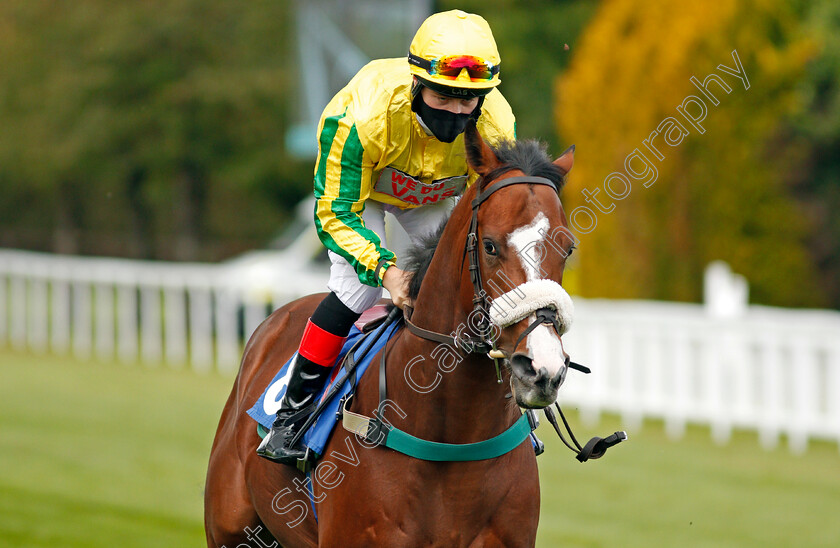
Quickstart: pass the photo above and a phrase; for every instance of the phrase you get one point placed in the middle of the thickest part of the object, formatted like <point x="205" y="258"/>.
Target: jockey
<point x="390" y="141"/>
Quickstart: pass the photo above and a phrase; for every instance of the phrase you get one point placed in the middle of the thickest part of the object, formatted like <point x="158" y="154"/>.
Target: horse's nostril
<point x="522" y="366"/>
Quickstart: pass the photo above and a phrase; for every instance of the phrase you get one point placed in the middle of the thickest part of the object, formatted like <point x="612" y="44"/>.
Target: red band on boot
<point x="320" y="346"/>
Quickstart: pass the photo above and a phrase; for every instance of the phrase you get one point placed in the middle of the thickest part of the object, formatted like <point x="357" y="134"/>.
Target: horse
<point x="509" y="248"/>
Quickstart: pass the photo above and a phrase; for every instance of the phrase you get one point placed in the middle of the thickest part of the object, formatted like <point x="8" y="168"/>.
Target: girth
<point x="377" y="431"/>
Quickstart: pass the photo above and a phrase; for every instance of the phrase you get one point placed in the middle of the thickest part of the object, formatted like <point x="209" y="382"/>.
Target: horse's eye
<point x="490" y="247"/>
<point x="571" y="249"/>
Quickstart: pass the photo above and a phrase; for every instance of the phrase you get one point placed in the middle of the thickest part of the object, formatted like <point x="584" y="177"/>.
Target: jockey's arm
<point x="342" y="185"/>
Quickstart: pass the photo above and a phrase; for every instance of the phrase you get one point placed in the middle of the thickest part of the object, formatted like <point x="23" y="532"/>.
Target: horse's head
<point x="521" y="245"/>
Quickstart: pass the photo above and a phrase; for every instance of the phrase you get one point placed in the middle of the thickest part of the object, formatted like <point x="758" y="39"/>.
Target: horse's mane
<point x="528" y="156"/>
<point x="419" y="257"/>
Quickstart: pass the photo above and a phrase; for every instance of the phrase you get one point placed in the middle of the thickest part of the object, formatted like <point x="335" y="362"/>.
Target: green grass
<point x="90" y="456"/>
<point x="651" y="492"/>
<point x="93" y="454"/>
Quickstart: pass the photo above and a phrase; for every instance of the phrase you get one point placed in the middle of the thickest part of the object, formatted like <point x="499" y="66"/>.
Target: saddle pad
<point x="317" y="435"/>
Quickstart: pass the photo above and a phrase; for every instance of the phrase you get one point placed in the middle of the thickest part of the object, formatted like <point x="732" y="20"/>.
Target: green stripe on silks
<point x="348" y="195"/>
<point x="326" y="139"/>
<point x="351" y="166"/>
<point x="505" y="442"/>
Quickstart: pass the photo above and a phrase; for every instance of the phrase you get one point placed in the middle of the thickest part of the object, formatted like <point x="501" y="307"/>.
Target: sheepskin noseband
<point x="523" y="300"/>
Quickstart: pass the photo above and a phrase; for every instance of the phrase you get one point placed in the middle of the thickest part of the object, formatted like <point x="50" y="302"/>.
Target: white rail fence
<point x="175" y="313"/>
<point x="724" y="364"/>
<point x="771" y="370"/>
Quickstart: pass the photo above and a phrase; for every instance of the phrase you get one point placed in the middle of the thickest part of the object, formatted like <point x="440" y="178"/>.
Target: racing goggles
<point x="451" y="66"/>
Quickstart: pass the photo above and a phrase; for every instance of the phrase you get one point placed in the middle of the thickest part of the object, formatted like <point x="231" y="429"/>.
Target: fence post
<point x="676" y="413"/>
<point x="38" y="308"/>
<point x="151" y="324"/>
<point x="175" y="314"/>
<point x="127" y="313"/>
<point x="227" y="335"/>
<point x="4" y="302"/>
<point x="60" y="319"/>
<point x="17" y="298"/>
<point x="832" y="395"/>
<point x="594" y="350"/>
<point x="103" y="295"/>
<point x="772" y="413"/>
<point x="254" y="316"/>
<point x="804" y="396"/>
<point x="725" y="294"/>
<point x="82" y="318"/>
<point x="201" y="326"/>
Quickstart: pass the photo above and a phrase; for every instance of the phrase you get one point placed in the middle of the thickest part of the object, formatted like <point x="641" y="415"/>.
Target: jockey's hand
<point x="396" y="282"/>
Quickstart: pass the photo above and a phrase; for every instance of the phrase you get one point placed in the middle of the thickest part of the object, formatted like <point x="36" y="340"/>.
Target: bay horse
<point x="359" y="495"/>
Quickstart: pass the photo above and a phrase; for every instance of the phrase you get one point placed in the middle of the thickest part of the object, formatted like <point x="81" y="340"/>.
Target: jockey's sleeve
<point x="340" y="200"/>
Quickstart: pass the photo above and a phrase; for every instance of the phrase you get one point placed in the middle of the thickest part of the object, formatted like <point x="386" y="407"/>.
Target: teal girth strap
<point x="487" y="449"/>
<point x="378" y="432"/>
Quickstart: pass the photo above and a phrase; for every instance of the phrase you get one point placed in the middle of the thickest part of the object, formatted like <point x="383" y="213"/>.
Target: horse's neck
<point x="445" y="399"/>
<point x="456" y="396"/>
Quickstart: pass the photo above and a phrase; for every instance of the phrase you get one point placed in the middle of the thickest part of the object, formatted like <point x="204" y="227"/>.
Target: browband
<point x="485" y="193"/>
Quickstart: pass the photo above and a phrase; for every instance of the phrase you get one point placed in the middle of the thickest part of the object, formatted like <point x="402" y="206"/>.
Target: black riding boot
<point x="305" y="382"/>
<point x="320" y="346"/>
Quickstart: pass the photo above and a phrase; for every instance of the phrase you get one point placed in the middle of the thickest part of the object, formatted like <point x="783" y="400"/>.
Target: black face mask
<point x="444" y="125"/>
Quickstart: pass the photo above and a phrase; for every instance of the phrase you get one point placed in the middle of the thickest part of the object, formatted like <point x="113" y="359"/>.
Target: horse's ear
<point x="566" y="160"/>
<point x="480" y="157"/>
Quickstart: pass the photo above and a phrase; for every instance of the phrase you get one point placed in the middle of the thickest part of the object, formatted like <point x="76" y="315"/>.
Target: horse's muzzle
<point x="532" y="388"/>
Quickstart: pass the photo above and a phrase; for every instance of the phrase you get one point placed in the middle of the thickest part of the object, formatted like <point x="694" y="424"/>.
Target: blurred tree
<point x="817" y="127"/>
<point x="155" y="129"/>
<point x="162" y="121"/>
<point x="531" y="37"/>
<point x="719" y="195"/>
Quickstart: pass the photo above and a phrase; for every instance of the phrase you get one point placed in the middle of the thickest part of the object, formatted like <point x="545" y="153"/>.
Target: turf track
<point x="107" y="454"/>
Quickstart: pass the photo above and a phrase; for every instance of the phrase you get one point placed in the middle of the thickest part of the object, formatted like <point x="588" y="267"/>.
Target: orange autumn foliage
<point x="718" y="194"/>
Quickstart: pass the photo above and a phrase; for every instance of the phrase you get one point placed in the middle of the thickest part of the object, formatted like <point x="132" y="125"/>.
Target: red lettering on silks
<point x="411" y="199"/>
<point x="398" y="191"/>
<point x="397" y="178"/>
<point x="440" y="185"/>
<point x="431" y="199"/>
<point x="425" y="189"/>
<point x="448" y="193"/>
<point x="412" y="185"/>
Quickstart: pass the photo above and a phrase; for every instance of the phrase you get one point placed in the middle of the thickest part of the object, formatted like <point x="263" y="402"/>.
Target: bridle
<point x="484" y="342"/>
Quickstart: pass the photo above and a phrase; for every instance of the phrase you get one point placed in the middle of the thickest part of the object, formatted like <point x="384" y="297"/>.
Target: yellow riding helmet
<point x="455" y="51"/>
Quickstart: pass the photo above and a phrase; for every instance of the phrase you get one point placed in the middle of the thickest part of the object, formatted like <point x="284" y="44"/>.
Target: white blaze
<point x="527" y="241"/>
<point x="543" y="343"/>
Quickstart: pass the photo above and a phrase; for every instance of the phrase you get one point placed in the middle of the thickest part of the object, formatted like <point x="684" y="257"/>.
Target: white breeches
<point x="417" y="222"/>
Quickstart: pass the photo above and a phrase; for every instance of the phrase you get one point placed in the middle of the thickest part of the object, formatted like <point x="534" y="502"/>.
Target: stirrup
<point x="283" y="453"/>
